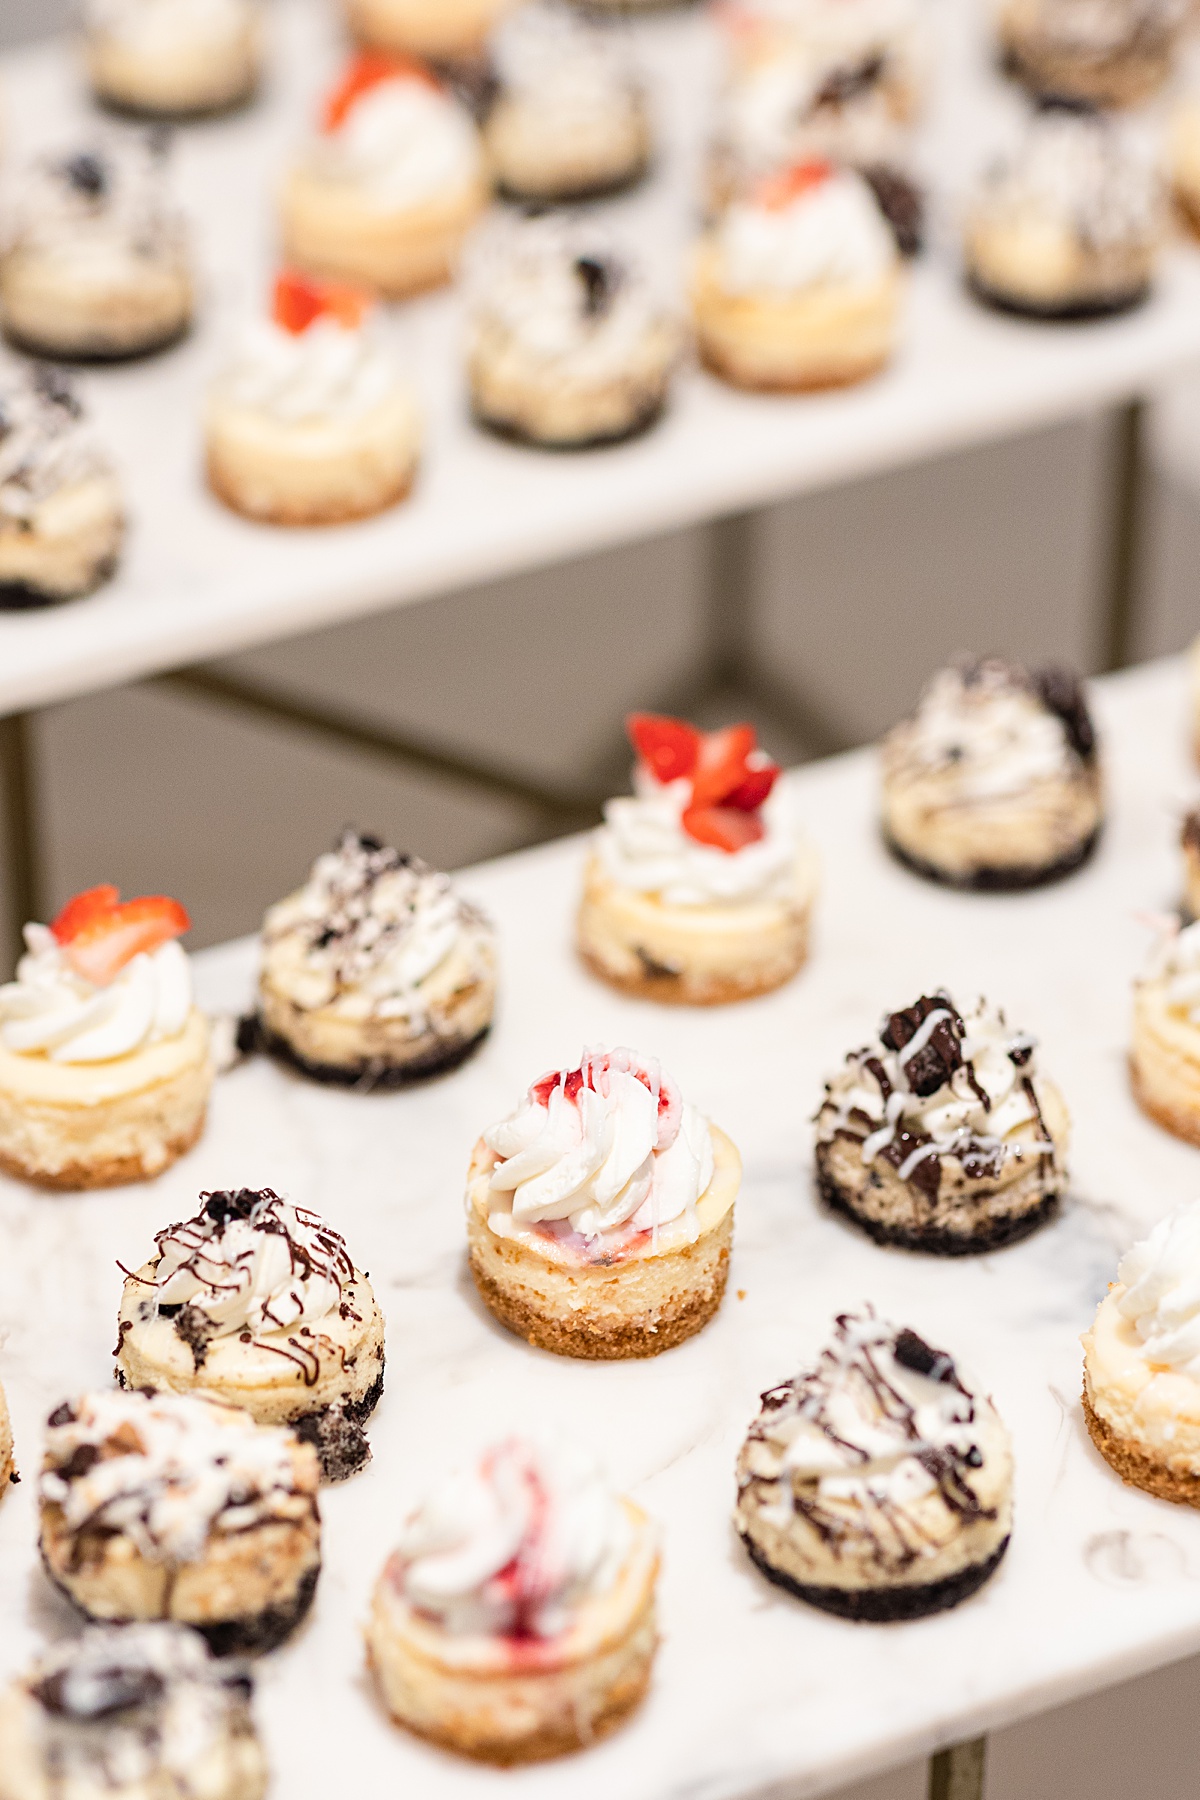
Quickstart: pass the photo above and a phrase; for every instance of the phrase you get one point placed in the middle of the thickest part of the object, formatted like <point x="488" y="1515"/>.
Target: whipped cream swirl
<point x="514" y="1546"/>
<point x="99" y="209"/>
<point x="847" y="29"/>
<point x="833" y="234"/>
<point x="402" y="142"/>
<point x="45" y="444"/>
<point x="803" y="102"/>
<point x="572" y="70"/>
<point x="1082" y="174"/>
<point x="323" y="372"/>
<point x="50" y="1010"/>
<point x="599" y="1148"/>
<point x="171" y="27"/>
<point x="1161" y="1298"/>
<point x="164" y="1470"/>
<point x="1174" y="962"/>
<point x="643" y="846"/>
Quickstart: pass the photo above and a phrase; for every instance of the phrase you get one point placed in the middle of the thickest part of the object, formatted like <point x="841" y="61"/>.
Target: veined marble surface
<point x="754" y="1693"/>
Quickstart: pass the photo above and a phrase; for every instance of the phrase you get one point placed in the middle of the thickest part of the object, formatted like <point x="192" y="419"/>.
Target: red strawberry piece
<point x="722" y="764"/>
<point x="749" y="795"/>
<point x="668" y="747"/>
<point x="724" y="827"/>
<point x="775" y="192"/>
<point x="368" y="70"/>
<point x="83" y="909"/>
<point x="100" y="949"/>
<point x="298" y="300"/>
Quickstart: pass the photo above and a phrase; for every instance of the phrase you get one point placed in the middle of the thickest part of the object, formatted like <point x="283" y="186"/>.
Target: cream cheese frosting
<point x="1160" y="1277"/>
<point x="402" y="142"/>
<point x="99" y="211"/>
<point x="170" y="27"/>
<point x="1080" y="173"/>
<point x="45" y="443"/>
<point x="51" y="1010"/>
<point x="1174" y="963"/>
<point x="831" y="234"/>
<point x="574" y="71"/>
<point x="326" y="371"/>
<point x="643" y="846"/>
<point x="514" y="1545"/>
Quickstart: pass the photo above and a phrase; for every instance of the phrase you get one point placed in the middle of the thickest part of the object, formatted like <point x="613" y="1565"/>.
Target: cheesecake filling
<point x="1076" y="174"/>
<point x="45" y="444"/>
<point x="807" y="227"/>
<point x="403" y="141"/>
<point x="326" y="371"/>
<point x="53" y="1011"/>
<point x="578" y="76"/>
<point x="171" y="28"/>
<point x="101" y="214"/>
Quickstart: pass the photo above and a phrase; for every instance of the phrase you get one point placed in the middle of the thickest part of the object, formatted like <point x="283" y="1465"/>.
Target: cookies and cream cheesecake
<point x="176" y="1506"/>
<point x="125" y="1712"/>
<point x="1141" y="1370"/>
<point x="376" y="972"/>
<point x="699" y="887"/>
<point x="1164" y="1055"/>
<point x="445" y="32"/>
<point x="95" y="262"/>
<point x="516" y="1618"/>
<point x="568" y="119"/>
<point x="105" y="1069"/>
<point x="600" y="1211"/>
<point x="942" y="1134"/>
<point x="387" y="191"/>
<point x="798" y="284"/>
<point x="995" y="780"/>
<point x="1099" y="52"/>
<point x="1067" y="226"/>
<point x="172" y="58"/>
<point x="258" y="1303"/>
<point x="61" y="517"/>
<point x="877" y="1484"/>
<point x="312" y="421"/>
<point x="568" y="343"/>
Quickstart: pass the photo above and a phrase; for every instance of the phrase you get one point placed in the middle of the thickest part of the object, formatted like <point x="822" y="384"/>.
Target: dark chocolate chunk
<point x="902" y="204"/>
<point x="55" y="388"/>
<point x="912" y="1352"/>
<point x="1062" y="693"/>
<point x="94" y="1695"/>
<point x="225" y="1204"/>
<point x="169" y="1309"/>
<point x="62" y="1415"/>
<point x="86" y="174"/>
<point x="848" y="82"/>
<point x="81" y="1459"/>
<point x="601" y="279"/>
<point x="936" y="1060"/>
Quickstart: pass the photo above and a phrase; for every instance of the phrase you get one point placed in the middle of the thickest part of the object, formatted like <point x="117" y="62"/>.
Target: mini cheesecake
<point x="125" y="1712"/>
<point x="451" y="32"/>
<point x="259" y="1304"/>
<point x="568" y="346"/>
<point x="95" y="263"/>
<point x="876" y="1485"/>
<point x="387" y="192"/>
<point x="312" y="423"/>
<point x="1141" y="1371"/>
<point x="798" y="285"/>
<point x="942" y="1135"/>
<point x="105" y="1069"/>
<point x="1068" y="226"/>
<point x="376" y="973"/>
<point x="600" y="1212"/>
<point x="995" y="781"/>
<point x="516" y="1618"/>
<point x="172" y="1506"/>
<point x="61" y="518"/>
<point x="1118" y="54"/>
<point x="1164" y="1056"/>
<point x="172" y="59"/>
<point x="699" y="888"/>
<point x="8" y="1467"/>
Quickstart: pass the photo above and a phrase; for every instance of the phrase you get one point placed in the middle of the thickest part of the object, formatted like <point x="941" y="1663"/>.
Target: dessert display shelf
<point x="753" y="1692"/>
<point x="197" y="581"/>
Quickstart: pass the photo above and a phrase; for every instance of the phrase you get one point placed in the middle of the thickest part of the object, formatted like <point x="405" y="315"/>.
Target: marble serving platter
<point x="754" y="1694"/>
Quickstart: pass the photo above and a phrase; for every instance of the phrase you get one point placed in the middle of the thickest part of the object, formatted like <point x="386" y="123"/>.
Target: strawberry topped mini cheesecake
<point x="104" y="1058"/>
<point x="699" y="888"/>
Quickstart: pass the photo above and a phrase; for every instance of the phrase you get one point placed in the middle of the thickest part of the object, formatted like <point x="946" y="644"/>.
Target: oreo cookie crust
<point x="993" y="1234"/>
<point x="642" y="421"/>
<point x="366" y="1077"/>
<point x="251" y="1635"/>
<point x="1013" y="879"/>
<point x="884" y="1605"/>
<point x="1071" y="312"/>
<point x="337" y="1433"/>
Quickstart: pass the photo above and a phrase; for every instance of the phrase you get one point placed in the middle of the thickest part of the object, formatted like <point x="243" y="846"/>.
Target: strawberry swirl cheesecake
<point x="699" y="888"/>
<point x="105" y="1070"/>
<point x="600" y="1211"/>
<point x="95" y="261"/>
<point x="1094" y="52"/>
<point x="172" y="1506"/>
<point x="1164" y="1056"/>
<point x="995" y="781"/>
<point x="124" y="1712"/>
<point x="312" y="422"/>
<point x="388" y="190"/>
<point x="942" y="1134"/>
<point x="172" y="58"/>
<point x="61" y="518"/>
<point x="376" y="973"/>
<point x="516" y="1618"/>
<point x="876" y="1485"/>
<point x="258" y="1303"/>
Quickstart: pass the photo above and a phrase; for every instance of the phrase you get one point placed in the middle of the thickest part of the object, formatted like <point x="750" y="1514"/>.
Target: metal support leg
<point x="1125" y="536"/>
<point x="957" y="1773"/>
<point x="20" y="873"/>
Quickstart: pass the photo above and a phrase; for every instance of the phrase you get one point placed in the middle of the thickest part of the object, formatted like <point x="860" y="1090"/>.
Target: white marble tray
<point x="198" y="582"/>
<point x="754" y="1693"/>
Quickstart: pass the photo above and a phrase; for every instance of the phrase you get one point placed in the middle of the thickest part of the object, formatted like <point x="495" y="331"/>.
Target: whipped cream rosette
<point x="172" y="58"/>
<point x="386" y="192"/>
<point x="943" y="1134"/>
<point x="104" y="1058"/>
<point x="995" y="781"/>
<point x="171" y="1506"/>
<point x="125" y="1711"/>
<point x="376" y="973"/>
<point x="699" y="888"/>
<point x="259" y="1302"/>
<point x="1164" y="1055"/>
<point x="600" y="1211"/>
<point x="1093" y="52"/>
<point x="515" y="1618"/>
<point x="878" y="1483"/>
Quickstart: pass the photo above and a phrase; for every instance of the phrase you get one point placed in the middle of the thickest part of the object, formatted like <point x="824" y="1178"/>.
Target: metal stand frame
<point x="957" y="1773"/>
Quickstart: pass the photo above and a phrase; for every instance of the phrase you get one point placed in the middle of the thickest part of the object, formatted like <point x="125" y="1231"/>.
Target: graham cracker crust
<point x="936" y="1240"/>
<point x="78" y="1178"/>
<point x="1136" y="1466"/>
<point x="671" y="989"/>
<point x="998" y="880"/>
<point x="1176" y="1119"/>
<point x="885" y="1605"/>
<point x="602" y="1343"/>
<point x="307" y="515"/>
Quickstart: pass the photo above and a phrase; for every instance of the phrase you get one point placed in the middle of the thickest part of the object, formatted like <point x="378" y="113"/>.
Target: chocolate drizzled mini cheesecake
<point x="126" y="1712"/>
<point x="172" y="1506"/>
<point x="876" y="1485"/>
<point x="259" y="1303"/>
<point x="375" y="973"/>
<point x="942" y="1135"/>
<point x="995" y="780"/>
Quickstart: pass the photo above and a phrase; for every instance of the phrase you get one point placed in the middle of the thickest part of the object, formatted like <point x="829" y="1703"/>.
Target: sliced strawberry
<point x="83" y="909"/>
<point x="749" y="795"/>
<point x="722" y="765"/>
<point x="668" y="747"/>
<point x="777" y="191"/>
<point x="724" y="827"/>
<point x="103" y="946"/>
<point x="367" y="70"/>
<point x="298" y="300"/>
